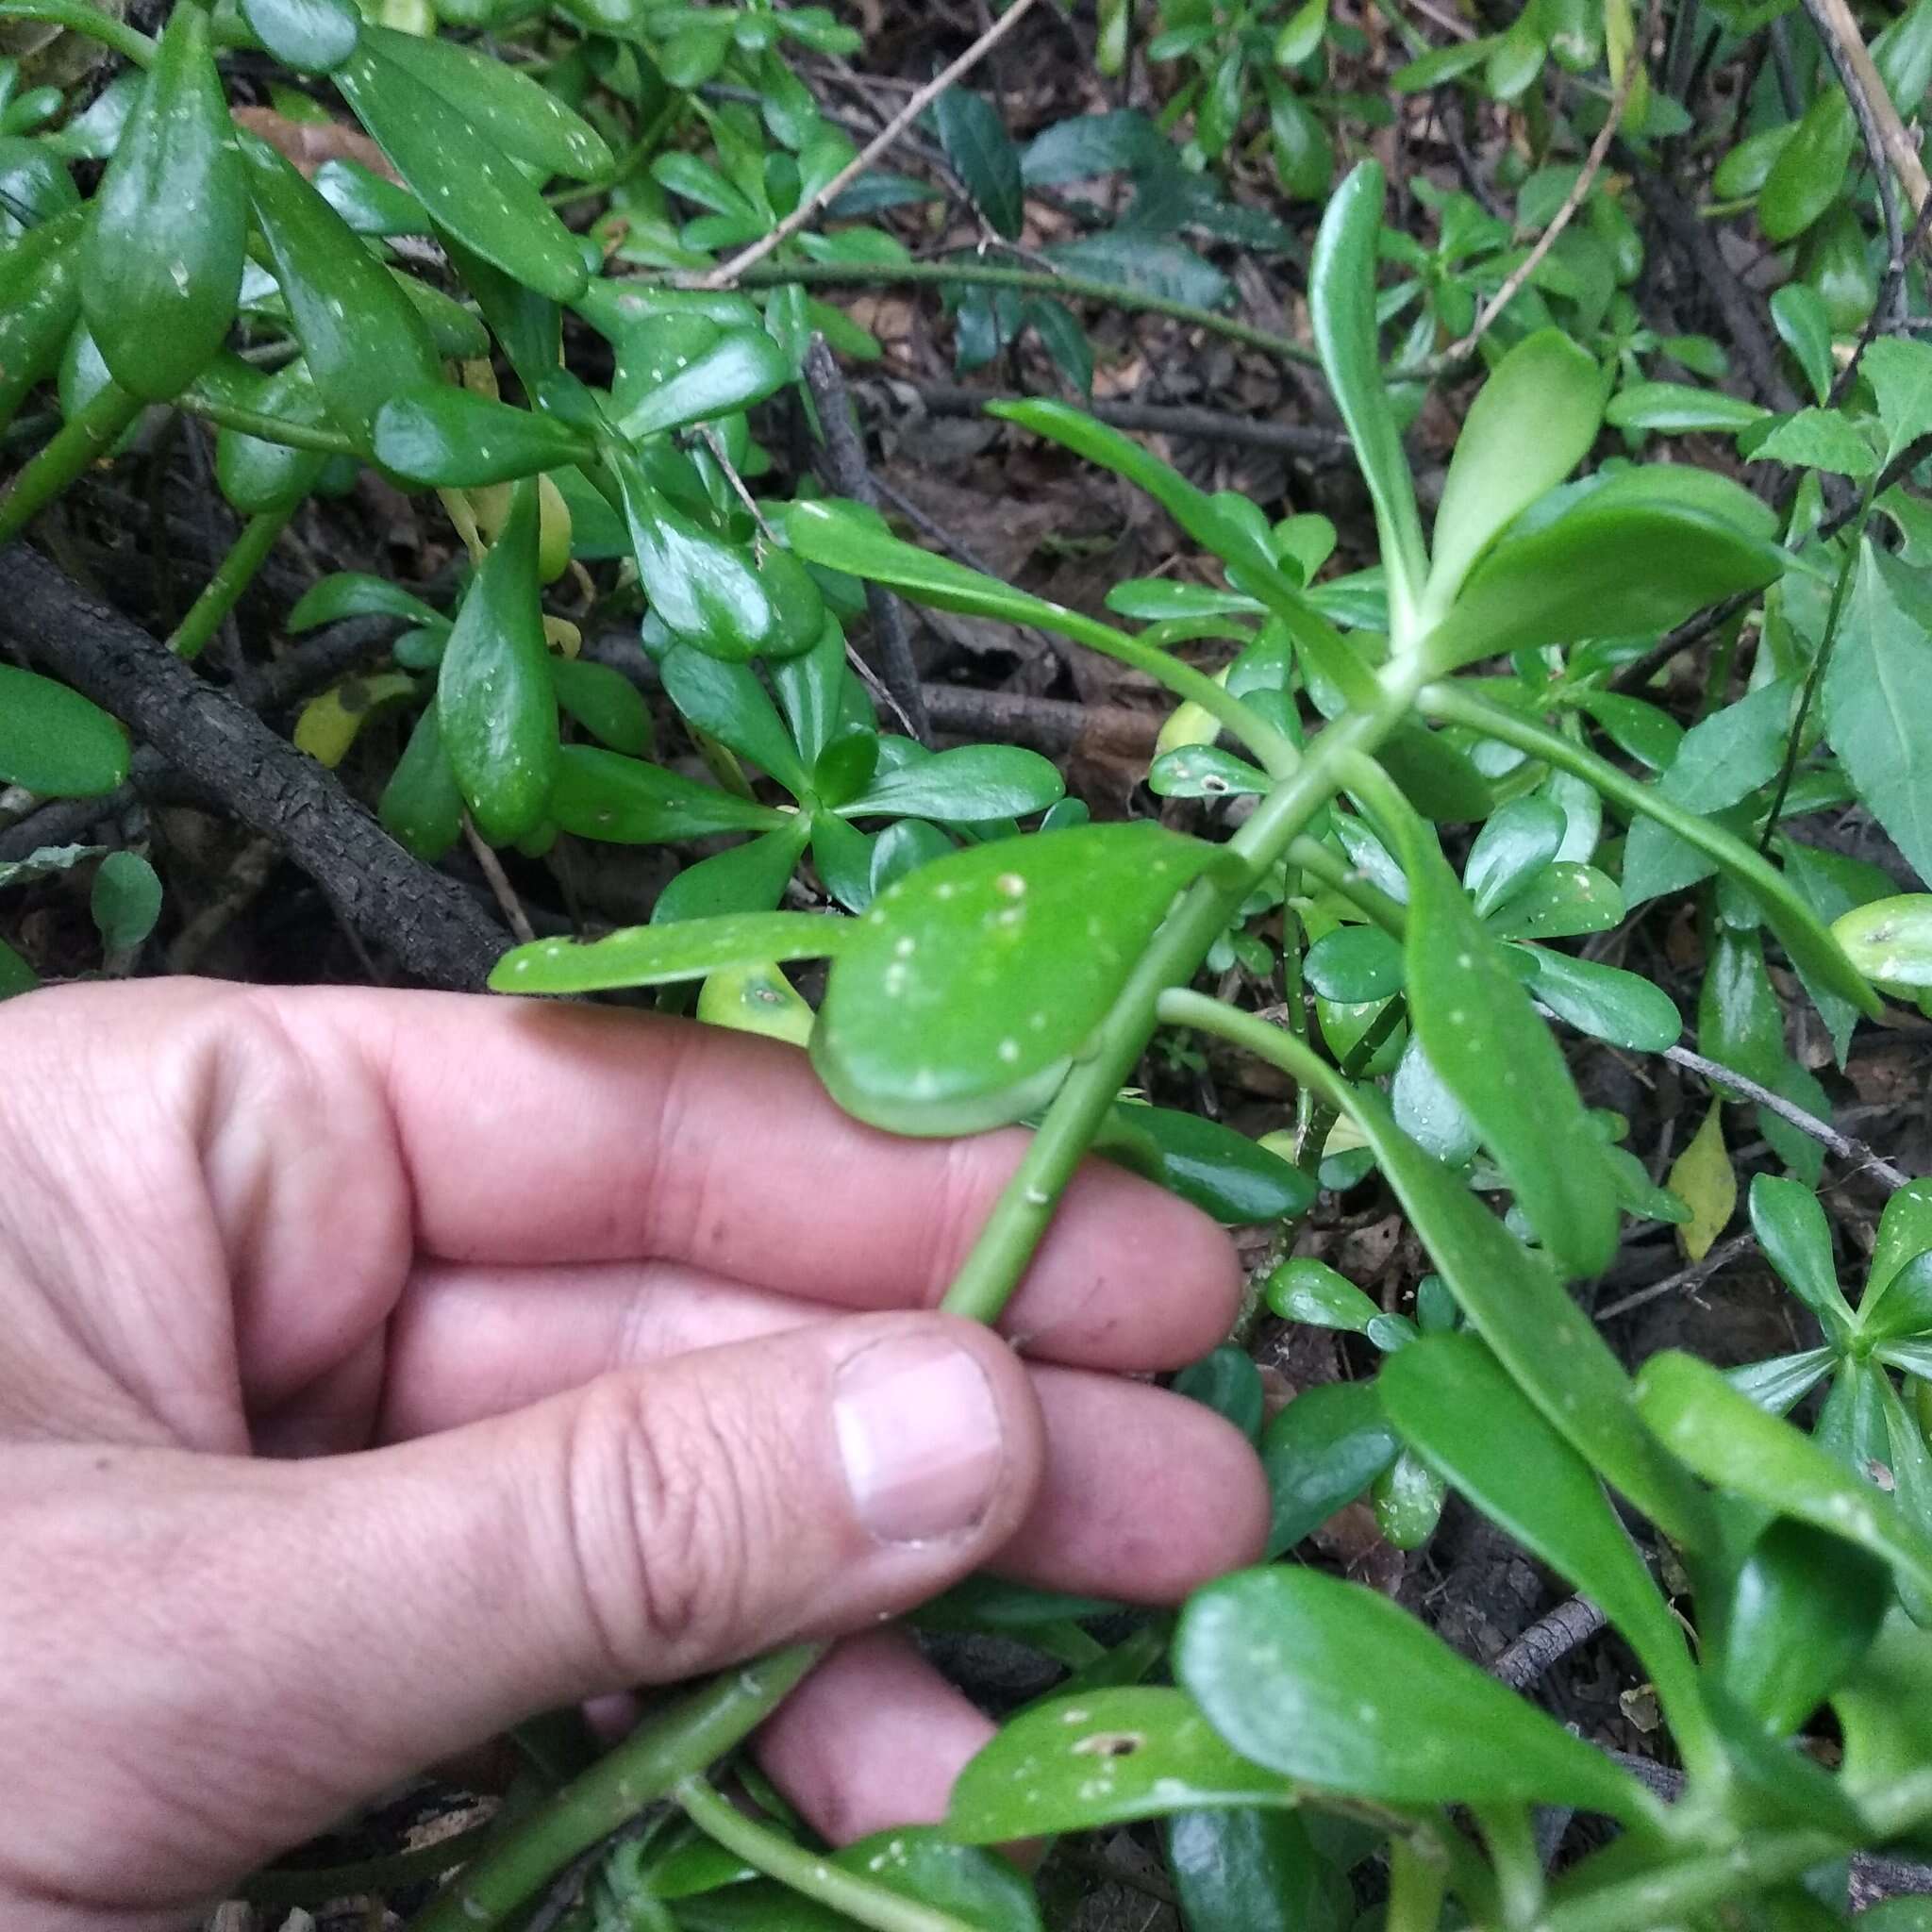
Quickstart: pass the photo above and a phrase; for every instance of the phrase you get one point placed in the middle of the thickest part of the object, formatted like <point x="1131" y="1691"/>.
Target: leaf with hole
<point x="1889" y="941"/>
<point x="973" y="983"/>
<point x="1332" y="1685"/>
<point x="1105" y="1757"/>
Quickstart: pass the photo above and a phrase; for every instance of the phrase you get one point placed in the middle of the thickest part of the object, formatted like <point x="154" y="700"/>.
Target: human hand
<point x="382" y="1368"/>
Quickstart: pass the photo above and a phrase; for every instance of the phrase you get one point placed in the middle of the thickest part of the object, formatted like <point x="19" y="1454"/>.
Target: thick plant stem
<point x="646" y="1767"/>
<point x="265" y="429"/>
<point x="851" y="1892"/>
<point x="233" y="576"/>
<point x="78" y="17"/>
<point x="1014" y="1228"/>
<point x="82" y="440"/>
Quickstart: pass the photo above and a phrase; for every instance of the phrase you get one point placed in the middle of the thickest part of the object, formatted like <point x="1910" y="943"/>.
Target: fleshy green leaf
<point x="361" y="337"/>
<point x="1451" y="1402"/>
<point x="659" y="955"/>
<point x="310" y="36"/>
<point x="1678" y="409"/>
<point x="1803" y="1611"/>
<point x="161" y="267"/>
<point x="1602" y="1000"/>
<point x="1727" y="1439"/>
<point x="451" y="437"/>
<point x="726" y="702"/>
<point x="1571" y="578"/>
<point x="1257" y="1869"/>
<point x="499" y="101"/>
<point x="1319" y="1454"/>
<point x="1530" y="425"/>
<point x="1342" y="303"/>
<point x="1874" y="701"/>
<point x="626" y="802"/>
<point x="1355" y="963"/>
<point x="1103" y="1758"/>
<point x="353" y="593"/>
<point x="468" y="183"/>
<point x="605" y="702"/>
<point x="420" y="805"/>
<point x="1519" y="840"/>
<point x="973" y="982"/>
<point x="1806" y="329"/>
<point x="1331" y="1684"/>
<point x="1220" y="1171"/>
<point x="494" y="701"/>
<point x="1889" y="941"/>
<point x="125" y="901"/>
<point x="1469" y="1011"/>
<point x="1790" y="1228"/>
<point x="741" y="367"/>
<point x="54" y="742"/>
<point x="969" y="784"/>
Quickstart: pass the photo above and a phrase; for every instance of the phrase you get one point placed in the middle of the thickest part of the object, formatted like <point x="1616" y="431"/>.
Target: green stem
<point x="1417" y="1885"/>
<point x="236" y="571"/>
<point x="78" y="17"/>
<point x="316" y="1885"/>
<point x="963" y="274"/>
<point x="1019" y="1220"/>
<point x="82" y="440"/>
<point x="851" y="1892"/>
<point x="1815" y="676"/>
<point x="1512" y="1842"/>
<point x="278" y="429"/>
<point x="1786" y="912"/>
<point x="645" y="1767"/>
<point x="1340" y="877"/>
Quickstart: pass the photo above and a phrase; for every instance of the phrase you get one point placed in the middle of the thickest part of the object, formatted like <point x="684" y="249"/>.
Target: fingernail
<point x="918" y="1434"/>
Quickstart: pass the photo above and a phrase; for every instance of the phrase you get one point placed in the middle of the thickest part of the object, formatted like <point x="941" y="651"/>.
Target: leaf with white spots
<point x="1098" y="1759"/>
<point x="971" y="983"/>
<point x="1332" y="1684"/>
<point x="1729" y="1440"/>
<point x="659" y="955"/>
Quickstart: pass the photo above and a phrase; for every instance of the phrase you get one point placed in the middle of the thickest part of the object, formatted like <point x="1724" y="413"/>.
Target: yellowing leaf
<point x="755" y="999"/>
<point x="1703" y="1180"/>
<point x="1189" y="724"/>
<point x="328" y="723"/>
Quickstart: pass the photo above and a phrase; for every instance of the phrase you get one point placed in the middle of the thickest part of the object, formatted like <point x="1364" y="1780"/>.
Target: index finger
<point x="545" y="1133"/>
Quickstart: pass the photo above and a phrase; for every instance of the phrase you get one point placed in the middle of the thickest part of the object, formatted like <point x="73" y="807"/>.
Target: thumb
<point x="657" y="1522"/>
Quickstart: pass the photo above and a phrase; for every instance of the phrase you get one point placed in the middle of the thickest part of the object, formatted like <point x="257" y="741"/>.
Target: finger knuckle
<point x="657" y="1528"/>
